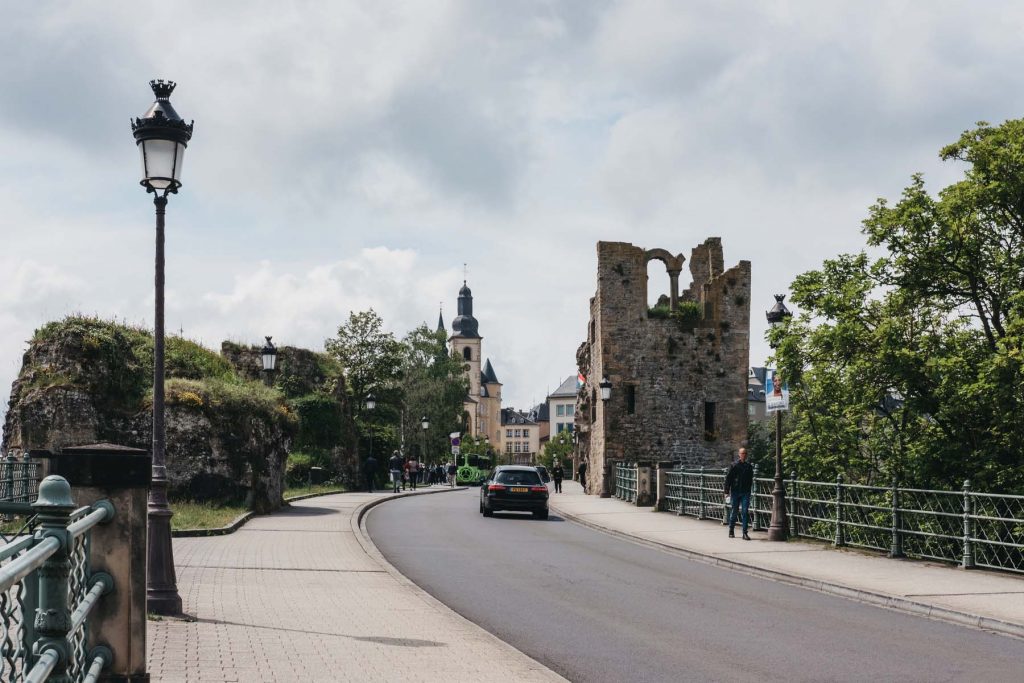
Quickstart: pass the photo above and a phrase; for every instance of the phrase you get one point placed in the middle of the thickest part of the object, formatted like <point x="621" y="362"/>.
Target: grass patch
<point x="189" y="514"/>
<point x="293" y="491"/>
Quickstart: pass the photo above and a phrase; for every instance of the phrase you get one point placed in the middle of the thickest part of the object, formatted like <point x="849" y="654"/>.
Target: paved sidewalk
<point x="300" y="596"/>
<point x="986" y="599"/>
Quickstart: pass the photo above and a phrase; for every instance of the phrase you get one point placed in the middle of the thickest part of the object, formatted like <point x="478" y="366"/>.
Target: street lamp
<point x="606" y="389"/>
<point x="269" y="357"/>
<point x="779" y="529"/>
<point x="371" y="403"/>
<point x="161" y="136"/>
<point x="425" y="423"/>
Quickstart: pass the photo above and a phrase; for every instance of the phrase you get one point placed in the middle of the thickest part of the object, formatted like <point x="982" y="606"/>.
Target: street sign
<point x="455" y="450"/>
<point x="456" y="442"/>
<point x="776" y="392"/>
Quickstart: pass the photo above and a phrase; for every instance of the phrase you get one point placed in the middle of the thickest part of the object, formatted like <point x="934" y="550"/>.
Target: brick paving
<point x="294" y="596"/>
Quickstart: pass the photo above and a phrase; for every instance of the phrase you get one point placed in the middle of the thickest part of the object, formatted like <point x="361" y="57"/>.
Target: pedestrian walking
<point x="414" y="472"/>
<point x="581" y="473"/>
<point x="557" y="473"/>
<point x="370" y="472"/>
<point x="452" y="470"/>
<point x="395" y="468"/>
<point x="738" y="484"/>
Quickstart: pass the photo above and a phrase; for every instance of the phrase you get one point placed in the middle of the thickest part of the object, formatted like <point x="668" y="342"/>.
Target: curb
<point x="358" y="522"/>
<point x="241" y="519"/>
<point x="878" y="599"/>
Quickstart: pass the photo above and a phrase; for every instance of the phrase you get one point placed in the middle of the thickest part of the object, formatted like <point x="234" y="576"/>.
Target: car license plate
<point x="519" y="489"/>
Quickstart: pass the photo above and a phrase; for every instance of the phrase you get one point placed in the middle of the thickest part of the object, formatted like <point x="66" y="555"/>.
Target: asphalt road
<point x="596" y="608"/>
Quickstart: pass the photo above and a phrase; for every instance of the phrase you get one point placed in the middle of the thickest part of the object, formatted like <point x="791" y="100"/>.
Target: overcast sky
<point x="356" y="154"/>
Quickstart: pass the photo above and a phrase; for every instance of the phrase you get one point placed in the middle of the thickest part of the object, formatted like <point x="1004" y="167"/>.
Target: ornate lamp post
<point x="269" y="357"/>
<point x="371" y="403"/>
<point x="779" y="529"/>
<point x="161" y="136"/>
<point x="425" y="424"/>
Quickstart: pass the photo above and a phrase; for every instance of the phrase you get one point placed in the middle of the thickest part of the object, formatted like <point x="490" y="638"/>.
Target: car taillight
<point x="539" y="489"/>
<point x="496" y="487"/>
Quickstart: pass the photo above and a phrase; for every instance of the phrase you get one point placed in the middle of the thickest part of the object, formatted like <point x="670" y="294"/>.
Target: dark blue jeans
<point x="739" y="500"/>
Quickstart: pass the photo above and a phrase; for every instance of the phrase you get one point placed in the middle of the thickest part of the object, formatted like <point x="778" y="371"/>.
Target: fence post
<point x="725" y="508"/>
<point x="791" y="499"/>
<point x="897" y="521"/>
<point x="840" y="532"/>
<point x="8" y="493"/>
<point x="53" y="616"/>
<point x="968" y="561"/>
<point x="701" y="510"/>
<point x="753" y="502"/>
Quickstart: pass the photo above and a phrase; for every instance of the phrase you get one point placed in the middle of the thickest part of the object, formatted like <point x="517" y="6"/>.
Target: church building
<point x="482" y="406"/>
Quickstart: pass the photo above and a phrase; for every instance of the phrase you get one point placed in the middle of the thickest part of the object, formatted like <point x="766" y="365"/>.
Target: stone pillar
<point x="673" y="277"/>
<point x="122" y="476"/>
<point x="643" y="484"/>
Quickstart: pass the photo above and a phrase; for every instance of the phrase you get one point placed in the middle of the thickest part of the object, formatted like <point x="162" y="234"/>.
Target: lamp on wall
<point x="606" y="389"/>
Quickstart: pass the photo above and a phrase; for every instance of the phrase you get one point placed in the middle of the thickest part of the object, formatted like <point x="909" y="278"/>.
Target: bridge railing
<point x="19" y="479"/>
<point x="626" y="478"/>
<point x="971" y="528"/>
<point x="48" y="591"/>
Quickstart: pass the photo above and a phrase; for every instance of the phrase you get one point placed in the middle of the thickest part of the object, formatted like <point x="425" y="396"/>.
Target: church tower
<point x="482" y="405"/>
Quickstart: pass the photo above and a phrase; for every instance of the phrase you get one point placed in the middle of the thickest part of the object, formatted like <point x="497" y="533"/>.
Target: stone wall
<point x="672" y="376"/>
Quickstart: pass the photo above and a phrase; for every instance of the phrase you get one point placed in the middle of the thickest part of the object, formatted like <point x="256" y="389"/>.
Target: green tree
<point x="909" y="364"/>
<point x="433" y="385"/>
<point x="558" y="448"/>
<point x="372" y="362"/>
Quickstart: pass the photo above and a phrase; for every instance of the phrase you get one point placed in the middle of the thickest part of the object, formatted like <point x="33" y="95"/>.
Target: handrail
<point x="14" y="547"/>
<point x="100" y="513"/>
<point x="20" y="567"/>
<point x="44" y="666"/>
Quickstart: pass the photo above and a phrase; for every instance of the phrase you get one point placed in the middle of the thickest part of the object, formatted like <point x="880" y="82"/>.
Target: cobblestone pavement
<point x="295" y="596"/>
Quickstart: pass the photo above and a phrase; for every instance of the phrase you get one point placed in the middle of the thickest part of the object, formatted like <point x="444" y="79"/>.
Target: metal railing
<point x="626" y="481"/>
<point x="48" y="591"/>
<point x="967" y="527"/>
<point x="19" y="478"/>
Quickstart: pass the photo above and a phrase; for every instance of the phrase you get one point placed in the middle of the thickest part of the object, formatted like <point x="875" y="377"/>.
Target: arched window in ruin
<point x="673" y="266"/>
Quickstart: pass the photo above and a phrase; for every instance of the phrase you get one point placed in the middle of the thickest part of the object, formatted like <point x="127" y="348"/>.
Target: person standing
<point x="452" y="471"/>
<point x="370" y="472"/>
<point x="557" y="473"/>
<point x="414" y="471"/>
<point x="581" y="473"/>
<point x="738" y="484"/>
<point x="395" y="467"/>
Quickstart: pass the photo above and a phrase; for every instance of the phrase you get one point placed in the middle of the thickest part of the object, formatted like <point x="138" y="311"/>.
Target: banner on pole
<point x="776" y="392"/>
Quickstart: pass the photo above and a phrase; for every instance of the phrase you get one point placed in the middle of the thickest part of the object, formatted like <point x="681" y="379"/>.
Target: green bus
<point x="473" y="470"/>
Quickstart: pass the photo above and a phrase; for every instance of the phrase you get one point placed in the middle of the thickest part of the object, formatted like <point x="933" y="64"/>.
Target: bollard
<point x="968" y="561"/>
<point x="897" y="521"/>
<point x="53" y="617"/>
<point x="840" y="540"/>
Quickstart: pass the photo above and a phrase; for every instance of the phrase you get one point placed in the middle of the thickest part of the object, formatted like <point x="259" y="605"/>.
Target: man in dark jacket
<point x="738" y="484"/>
<point x="558" y="474"/>
<point x="395" y="470"/>
<point x="370" y="472"/>
<point x="581" y="473"/>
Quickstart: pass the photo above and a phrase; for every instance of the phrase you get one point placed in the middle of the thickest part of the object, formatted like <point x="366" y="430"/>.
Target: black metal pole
<point x="779" y="529"/>
<point x="161" y="582"/>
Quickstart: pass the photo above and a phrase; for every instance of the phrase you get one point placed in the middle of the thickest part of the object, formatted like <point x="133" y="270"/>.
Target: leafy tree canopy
<point x="907" y="362"/>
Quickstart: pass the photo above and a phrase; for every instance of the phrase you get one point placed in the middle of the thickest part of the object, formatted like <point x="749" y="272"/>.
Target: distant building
<point x="562" y="406"/>
<point x="482" y="406"/>
<point x="755" y="394"/>
<point x="520" y="437"/>
<point x="539" y="414"/>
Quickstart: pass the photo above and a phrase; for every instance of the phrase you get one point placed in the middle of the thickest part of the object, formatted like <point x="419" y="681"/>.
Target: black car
<point x="544" y="476"/>
<point x="514" y="487"/>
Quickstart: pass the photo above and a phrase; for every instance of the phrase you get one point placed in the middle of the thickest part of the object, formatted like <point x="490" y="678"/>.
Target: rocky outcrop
<point x="86" y="381"/>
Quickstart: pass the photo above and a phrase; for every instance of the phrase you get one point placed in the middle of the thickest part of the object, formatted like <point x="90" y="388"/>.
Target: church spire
<point x="465" y="325"/>
<point x="440" y="320"/>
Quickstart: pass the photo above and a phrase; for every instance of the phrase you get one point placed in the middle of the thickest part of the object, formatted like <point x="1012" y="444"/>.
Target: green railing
<point x="18" y="478"/>
<point x="47" y="590"/>
<point x="626" y="481"/>
<point x="967" y="527"/>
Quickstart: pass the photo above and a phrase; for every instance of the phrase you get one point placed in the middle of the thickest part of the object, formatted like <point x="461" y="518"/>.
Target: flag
<point x="580" y="380"/>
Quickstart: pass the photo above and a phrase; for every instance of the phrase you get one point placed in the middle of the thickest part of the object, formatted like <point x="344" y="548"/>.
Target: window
<point x="709" y="420"/>
<point x="569" y="426"/>
<point x="517" y="477"/>
<point x="508" y="433"/>
<point x="508" y="446"/>
<point x="560" y="427"/>
<point x="630" y="399"/>
<point x="593" y="406"/>
<point x="467" y="353"/>
<point x="560" y="411"/>
<point x="517" y="447"/>
<point x="519" y="433"/>
<point x="526" y="433"/>
<point x="570" y="410"/>
<point x="751" y="410"/>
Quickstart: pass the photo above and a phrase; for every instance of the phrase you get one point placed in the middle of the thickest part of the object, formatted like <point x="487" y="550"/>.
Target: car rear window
<point x="513" y="477"/>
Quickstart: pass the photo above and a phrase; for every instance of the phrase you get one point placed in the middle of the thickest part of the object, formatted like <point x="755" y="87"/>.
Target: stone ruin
<point x="678" y="370"/>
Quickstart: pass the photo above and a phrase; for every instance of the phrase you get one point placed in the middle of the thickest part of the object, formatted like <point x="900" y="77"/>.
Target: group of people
<point x="408" y="472"/>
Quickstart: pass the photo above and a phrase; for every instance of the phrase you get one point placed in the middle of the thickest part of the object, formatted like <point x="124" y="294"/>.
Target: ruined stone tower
<point x="678" y="370"/>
